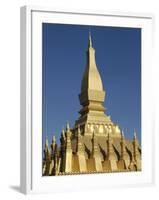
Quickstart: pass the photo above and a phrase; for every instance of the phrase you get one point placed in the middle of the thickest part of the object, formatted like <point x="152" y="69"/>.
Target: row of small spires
<point x="68" y="130"/>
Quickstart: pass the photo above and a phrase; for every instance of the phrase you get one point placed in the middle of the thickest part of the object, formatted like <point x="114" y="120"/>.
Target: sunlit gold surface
<point x="95" y="144"/>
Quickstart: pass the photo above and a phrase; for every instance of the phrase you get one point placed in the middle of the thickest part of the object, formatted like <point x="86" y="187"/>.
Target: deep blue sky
<point x="118" y="58"/>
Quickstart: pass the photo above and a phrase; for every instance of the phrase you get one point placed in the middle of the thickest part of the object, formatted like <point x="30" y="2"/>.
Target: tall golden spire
<point x="92" y="94"/>
<point x="91" y="79"/>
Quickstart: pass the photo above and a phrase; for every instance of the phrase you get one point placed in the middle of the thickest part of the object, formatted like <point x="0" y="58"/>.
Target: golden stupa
<point x="95" y="144"/>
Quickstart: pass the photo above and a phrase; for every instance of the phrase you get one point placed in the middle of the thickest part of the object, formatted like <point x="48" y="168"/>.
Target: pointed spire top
<point x="46" y="143"/>
<point x="122" y="133"/>
<point x="63" y="133"/>
<point x="90" y="39"/>
<point x="67" y="126"/>
<point x="135" y="134"/>
<point x="54" y="139"/>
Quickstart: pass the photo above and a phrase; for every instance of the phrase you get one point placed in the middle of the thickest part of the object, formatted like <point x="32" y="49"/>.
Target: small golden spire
<point x="54" y="139"/>
<point x="47" y="149"/>
<point x="122" y="134"/>
<point x="135" y="146"/>
<point x="123" y="150"/>
<point x="135" y="134"/>
<point x="46" y="143"/>
<point x="67" y="126"/>
<point x="63" y="132"/>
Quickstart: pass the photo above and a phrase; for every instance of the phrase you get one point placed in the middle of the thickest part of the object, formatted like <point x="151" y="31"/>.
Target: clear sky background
<point x="118" y="58"/>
